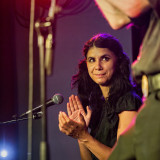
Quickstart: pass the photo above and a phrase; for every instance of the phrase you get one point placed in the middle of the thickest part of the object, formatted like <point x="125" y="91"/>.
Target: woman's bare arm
<point x="117" y="12"/>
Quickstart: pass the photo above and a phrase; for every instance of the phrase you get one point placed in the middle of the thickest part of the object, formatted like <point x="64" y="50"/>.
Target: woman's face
<point x="101" y="64"/>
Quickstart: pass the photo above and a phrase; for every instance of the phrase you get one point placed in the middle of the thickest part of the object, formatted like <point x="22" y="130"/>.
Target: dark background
<point x="74" y="26"/>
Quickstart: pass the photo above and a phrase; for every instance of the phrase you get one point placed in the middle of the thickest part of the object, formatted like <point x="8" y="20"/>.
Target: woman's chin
<point x="104" y="83"/>
<point x="101" y="83"/>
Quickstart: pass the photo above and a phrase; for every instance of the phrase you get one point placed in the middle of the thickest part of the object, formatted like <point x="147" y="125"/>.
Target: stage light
<point x="3" y="153"/>
<point x="8" y="150"/>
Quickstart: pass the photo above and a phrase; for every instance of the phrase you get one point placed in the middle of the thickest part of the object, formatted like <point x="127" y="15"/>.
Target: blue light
<point x="7" y="151"/>
<point x="4" y="153"/>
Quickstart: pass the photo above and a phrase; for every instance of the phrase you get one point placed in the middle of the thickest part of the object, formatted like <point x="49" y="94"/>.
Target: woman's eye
<point x="105" y="58"/>
<point x="91" y="60"/>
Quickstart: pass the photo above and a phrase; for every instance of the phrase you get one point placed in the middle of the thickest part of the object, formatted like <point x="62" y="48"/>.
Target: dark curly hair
<point x="90" y="92"/>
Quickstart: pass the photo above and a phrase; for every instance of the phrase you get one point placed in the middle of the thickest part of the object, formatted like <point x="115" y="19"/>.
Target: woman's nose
<point x="98" y="65"/>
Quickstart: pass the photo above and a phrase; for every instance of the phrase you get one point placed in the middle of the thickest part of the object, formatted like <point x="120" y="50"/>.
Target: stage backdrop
<point x="71" y="31"/>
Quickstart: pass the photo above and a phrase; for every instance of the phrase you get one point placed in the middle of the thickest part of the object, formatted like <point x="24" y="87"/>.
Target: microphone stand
<point x="43" y="144"/>
<point x="37" y="115"/>
<point x="42" y="27"/>
<point x="30" y="92"/>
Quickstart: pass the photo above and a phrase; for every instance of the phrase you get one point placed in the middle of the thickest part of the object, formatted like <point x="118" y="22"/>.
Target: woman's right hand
<point x="77" y="130"/>
<point x="74" y="106"/>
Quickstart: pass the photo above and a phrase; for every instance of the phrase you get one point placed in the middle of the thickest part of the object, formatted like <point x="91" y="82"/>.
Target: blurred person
<point x="141" y="140"/>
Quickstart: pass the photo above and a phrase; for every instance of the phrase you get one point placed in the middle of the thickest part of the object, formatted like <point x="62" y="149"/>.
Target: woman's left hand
<point x="74" y="107"/>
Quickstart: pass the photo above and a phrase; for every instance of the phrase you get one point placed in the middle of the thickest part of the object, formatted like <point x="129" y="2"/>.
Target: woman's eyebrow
<point x="90" y="57"/>
<point x="106" y="55"/>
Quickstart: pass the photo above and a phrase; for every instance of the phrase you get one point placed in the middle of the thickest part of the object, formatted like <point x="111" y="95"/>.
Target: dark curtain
<point x="8" y="132"/>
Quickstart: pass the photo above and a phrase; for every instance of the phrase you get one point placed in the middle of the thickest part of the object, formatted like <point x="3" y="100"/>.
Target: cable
<point x="74" y="7"/>
<point x="69" y="7"/>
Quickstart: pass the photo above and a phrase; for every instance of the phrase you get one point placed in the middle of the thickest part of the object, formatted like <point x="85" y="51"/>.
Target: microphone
<point x="49" y="39"/>
<point x="49" y="50"/>
<point x="52" y="9"/>
<point x="56" y="99"/>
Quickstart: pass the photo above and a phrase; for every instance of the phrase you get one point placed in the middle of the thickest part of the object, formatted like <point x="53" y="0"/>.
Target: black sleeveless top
<point x="105" y="130"/>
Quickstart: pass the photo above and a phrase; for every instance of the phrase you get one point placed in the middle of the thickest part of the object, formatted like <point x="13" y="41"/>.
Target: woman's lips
<point x="99" y="75"/>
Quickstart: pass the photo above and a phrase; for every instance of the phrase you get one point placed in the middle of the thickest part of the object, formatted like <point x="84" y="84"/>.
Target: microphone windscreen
<point x="57" y="98"/>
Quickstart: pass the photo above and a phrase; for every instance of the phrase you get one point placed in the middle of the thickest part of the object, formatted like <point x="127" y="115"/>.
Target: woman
<point x="104" y="86"/>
